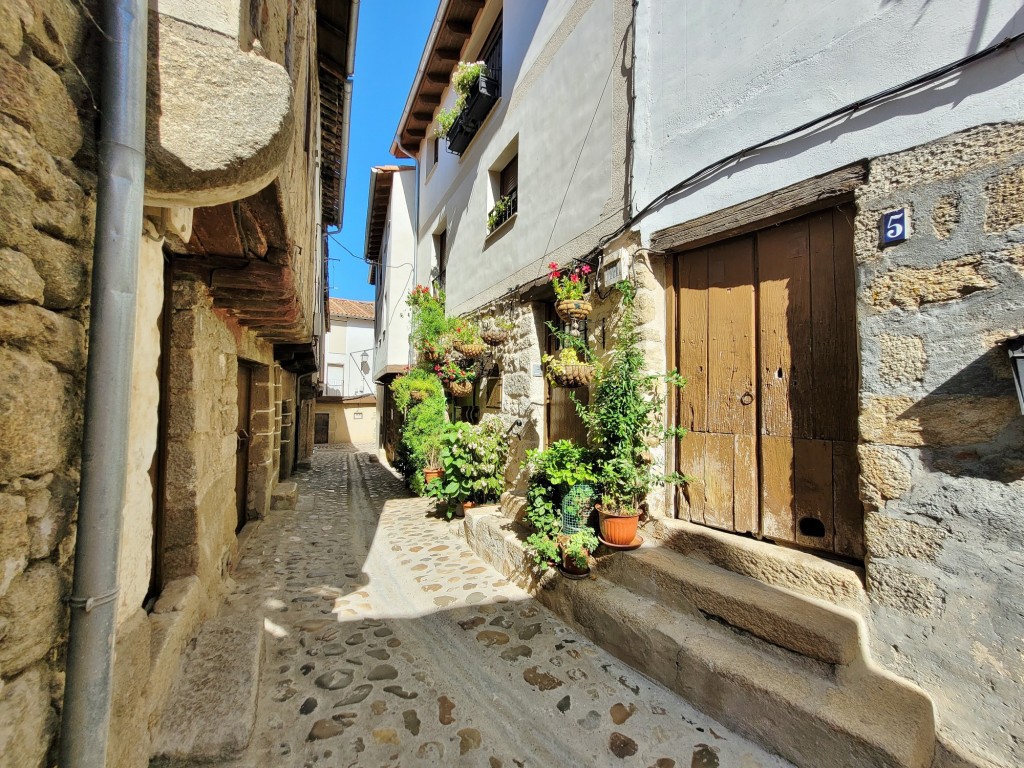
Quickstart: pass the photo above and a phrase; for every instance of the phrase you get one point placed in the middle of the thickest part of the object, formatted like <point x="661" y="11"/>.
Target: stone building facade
<point x="230" y="304"/>
<point x="902" y="520"/>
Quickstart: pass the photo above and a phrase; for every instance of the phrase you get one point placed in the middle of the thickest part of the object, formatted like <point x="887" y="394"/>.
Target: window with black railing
<point x="507" y="203"/>
<point x="482" y="96"/>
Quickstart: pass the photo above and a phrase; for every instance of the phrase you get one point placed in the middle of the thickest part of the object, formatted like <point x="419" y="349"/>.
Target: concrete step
<point x="789" y="671"/>
<point x="211" y="711"/>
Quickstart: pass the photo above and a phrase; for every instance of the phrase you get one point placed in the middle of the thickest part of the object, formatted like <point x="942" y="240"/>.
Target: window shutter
<point x="510" y="177"/>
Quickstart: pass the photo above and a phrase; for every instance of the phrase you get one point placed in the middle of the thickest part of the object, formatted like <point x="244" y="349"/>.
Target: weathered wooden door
<point x="242" y="446"/>
<point x="322" y="429"/>
<point x="767" y="340"/>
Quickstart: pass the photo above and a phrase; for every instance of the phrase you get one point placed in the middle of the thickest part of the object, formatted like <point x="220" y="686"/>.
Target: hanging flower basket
<point x="433" y="354"/>
<point x="573" y="309"/>
<point x="470" y="351"/>
<point x="494" y="338"/>
<point x="418" y="395"/>
<point x="459" y="388"/>
<point x="573" y="376"/>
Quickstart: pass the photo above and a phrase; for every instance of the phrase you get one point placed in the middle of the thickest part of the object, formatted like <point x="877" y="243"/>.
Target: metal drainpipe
<point x="120" y="186"/>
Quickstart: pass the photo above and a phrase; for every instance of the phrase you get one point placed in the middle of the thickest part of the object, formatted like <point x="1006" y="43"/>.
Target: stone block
<point x="946" y="216"/>
<point x="28" y="724"/>
<point x="50" y="97"/>
<point x="16" y="212"/>
<point x="15" y="15"/>
<point x="14" y="539"/>
<point x="61" y="219"/>
<point x="911" y="287"/>
<point x="904" y="591"/>
<point x="129" y="733"/>
<point x="936" y="420"/>
<point x="891" y="537"/>
<point x="284" y="496"/>
<point x="56" y="31"/>
<point x="902" y="359"/>
<point x="884" y="475"/>
<point x="62" y="266"/>
<point x="35" y="415"/>
<point x="19" y="280"/>
<point x="33" y="165"/>
<point x="36" y="614"/>
<point x="57" y="339"/>
<point x="179" y="595"/>
<point x="1005" y="201"/>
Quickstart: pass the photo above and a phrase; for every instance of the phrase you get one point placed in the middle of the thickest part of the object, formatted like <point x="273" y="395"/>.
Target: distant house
<point x="346" y="407"/>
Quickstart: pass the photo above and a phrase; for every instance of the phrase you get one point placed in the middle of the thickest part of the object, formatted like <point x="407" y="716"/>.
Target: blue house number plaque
<point x="895" y="227"/>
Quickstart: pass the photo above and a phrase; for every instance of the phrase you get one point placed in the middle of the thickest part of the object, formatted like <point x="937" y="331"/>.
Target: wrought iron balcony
<point x="503" y="210"/>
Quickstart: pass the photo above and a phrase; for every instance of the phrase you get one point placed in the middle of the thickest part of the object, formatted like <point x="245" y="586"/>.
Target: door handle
<point x="746" y="398"/>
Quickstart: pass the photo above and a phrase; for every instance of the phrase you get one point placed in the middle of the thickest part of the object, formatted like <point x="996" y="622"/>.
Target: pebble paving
<point x="389" y="643"/>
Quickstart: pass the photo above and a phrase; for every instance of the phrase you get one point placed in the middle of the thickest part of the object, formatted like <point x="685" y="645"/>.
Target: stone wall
<point x="942" y="453"/>
<point x="47" y="210"/>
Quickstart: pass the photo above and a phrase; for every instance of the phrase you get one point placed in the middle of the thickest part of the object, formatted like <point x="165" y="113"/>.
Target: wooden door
<point x="242" y="446"/>
<point x="767" y="340"/>
<point x="563" y="422"/>
<point x="322" y="429"/>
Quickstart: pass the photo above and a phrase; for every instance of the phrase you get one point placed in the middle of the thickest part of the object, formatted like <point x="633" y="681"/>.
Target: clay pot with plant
<point x="570" y="286"/>
<point x="575" y="549"/>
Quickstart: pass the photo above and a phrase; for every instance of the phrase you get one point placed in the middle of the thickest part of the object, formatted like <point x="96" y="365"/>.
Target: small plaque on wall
<point x="895" y="226"/>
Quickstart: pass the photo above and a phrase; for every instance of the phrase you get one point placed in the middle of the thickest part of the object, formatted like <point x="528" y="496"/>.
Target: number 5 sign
<point x="895" y="226"/>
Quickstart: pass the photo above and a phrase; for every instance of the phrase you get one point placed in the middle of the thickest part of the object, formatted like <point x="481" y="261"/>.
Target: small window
<point x="505" y="185"/>
<point x="441" y="252"/>
<point x="434" y="151"/>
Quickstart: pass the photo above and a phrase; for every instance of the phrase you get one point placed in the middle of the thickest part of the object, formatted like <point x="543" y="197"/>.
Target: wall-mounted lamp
<point x="365" y="357"/>
<point x="1016" y="349"/>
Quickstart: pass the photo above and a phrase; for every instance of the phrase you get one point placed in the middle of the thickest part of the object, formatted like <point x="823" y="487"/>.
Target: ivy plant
<point x="417" y="379"/>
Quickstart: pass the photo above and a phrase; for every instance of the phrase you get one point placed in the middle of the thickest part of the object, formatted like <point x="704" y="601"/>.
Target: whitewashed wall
<point x="395" y="276"/>
<point x="715" y="76"/>
<point x="346" y="340"/>
<point x="559" y="76"/>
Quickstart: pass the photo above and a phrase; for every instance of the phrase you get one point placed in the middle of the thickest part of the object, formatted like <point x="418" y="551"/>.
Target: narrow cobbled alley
<point x="388" y="642"/>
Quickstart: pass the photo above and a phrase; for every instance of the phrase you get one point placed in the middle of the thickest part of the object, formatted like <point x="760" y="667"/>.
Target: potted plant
<point x="457" y="381"/>
<point x="473" y="458"/>
<point x="553" y="472"/>
<point x="415" y="386"/>
<point x="419" y="445"/>
<point x="466" y="339"/>
<point x="575" y="549"/>
<point x="570" y="286"/>
<point x="497" y="331"/>
<point x="500" y="213"/>
<point x="475" y="95"/>
<point x="623" y="421"/>
<point x="430" y="327"/>
<point x="432" y="469"/>
<point x="567" y="370"/>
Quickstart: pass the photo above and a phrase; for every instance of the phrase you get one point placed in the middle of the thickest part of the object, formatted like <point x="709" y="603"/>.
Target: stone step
<point x="785" y="670"/>
<point x="835" y="582"/>
<point x="211" y="711"/>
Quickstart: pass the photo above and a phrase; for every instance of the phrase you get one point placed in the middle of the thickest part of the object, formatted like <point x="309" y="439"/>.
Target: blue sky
<point x="389" y="42"/>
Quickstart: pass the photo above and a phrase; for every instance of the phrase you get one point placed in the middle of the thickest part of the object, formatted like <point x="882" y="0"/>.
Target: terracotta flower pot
<point x="432" y="473"/>
<point x="619" y="530"/>
<point x="573" y="309"/>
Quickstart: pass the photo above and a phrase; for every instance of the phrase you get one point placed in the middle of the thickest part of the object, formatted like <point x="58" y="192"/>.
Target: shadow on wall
<point x="971" y="424"/>
<point x="939" y="95"/>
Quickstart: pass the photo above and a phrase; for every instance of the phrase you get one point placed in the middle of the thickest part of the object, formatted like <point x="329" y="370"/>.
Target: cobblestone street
<point x="390" y="643"/>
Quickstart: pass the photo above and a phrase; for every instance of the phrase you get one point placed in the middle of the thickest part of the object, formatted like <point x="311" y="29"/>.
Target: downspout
<point x="120" y="188"/>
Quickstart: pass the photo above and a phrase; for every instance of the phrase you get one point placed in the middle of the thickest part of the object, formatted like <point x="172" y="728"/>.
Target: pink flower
<point x="574" y="278"/>
<point x="585" y="269"/>
<point x="553" y="265"/>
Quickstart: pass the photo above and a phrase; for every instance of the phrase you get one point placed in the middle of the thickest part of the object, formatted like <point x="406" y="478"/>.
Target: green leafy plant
<point x="430" y="326"/>
<point x="570" y="284"/>
<point x="420" y="445"/>
<point x="464" y="77"/>
<point x="576" y="547"/>
<point x="450" y="371"/>
<point x="465" y="331"/>
<point x="556" y="366"/>
<point x="417" y="379"/>
<point x="553" y="472"/>
<point x="495" y="217"/>
<point x="473" y="457"/>
<point x="623" y="418"/>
